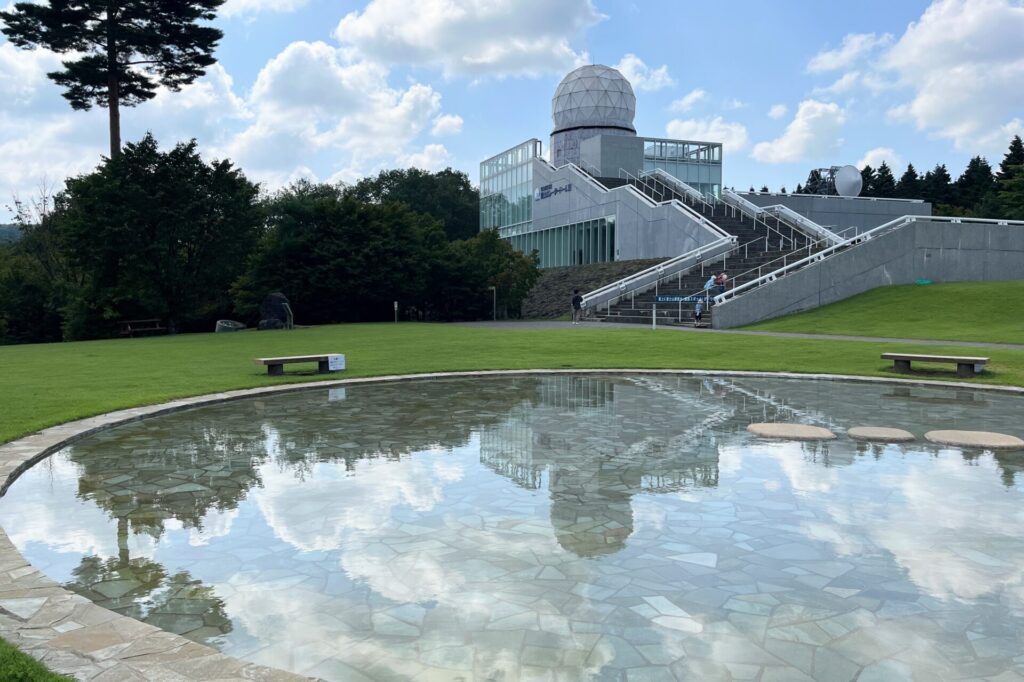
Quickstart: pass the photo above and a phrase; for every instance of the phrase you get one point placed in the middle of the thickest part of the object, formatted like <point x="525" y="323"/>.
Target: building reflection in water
<point x="591" y="442"/>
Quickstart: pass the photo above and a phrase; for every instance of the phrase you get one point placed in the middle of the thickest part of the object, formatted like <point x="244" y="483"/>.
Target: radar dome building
<point x="604" y="193"/>
<point x="590" y="101"/>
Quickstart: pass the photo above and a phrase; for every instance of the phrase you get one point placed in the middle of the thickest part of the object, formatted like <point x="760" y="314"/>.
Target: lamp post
<point x="494" y="303"/>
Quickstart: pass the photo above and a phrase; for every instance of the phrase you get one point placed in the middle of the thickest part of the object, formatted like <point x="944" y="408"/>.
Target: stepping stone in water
<point x="791" y="431"/>
<point x="976" y="439"/>
<point x="880" y="434"/>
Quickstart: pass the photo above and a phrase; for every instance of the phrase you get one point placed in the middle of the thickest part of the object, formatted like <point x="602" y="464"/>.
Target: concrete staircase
<point x="757" y="246"/>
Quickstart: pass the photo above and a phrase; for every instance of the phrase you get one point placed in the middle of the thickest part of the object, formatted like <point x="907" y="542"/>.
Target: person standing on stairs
<point x="708" y="286"/>
<point x="720" y="280"/>
<point x="698" y="312"/>
<point x="577" y="306"/>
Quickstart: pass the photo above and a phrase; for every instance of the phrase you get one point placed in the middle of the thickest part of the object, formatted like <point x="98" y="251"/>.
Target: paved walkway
<point x="517" y="325"/>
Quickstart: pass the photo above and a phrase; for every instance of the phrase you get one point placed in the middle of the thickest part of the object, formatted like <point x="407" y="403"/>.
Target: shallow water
<point x="566" y="527"/>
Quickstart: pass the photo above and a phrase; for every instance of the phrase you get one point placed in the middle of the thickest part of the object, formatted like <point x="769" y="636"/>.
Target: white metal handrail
<point x="652" y="275"/>
<point x="679" y="204"/>
<point x="803" y="223"/>
<point x="783" y="213"/>
<point x="890" y="226"/>
<point x="784" y="259"/>
<point x="682" y="187"/>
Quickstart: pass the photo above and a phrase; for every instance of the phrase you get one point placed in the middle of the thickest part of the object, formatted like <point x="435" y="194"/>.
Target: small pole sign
<point x="335" y="363"/>
<point x="396" y="312"/>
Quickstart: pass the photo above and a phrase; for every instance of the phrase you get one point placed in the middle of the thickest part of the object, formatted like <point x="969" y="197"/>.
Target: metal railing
<point x="803" y="223"/>
<point x="692" y="193"/>
<point x="782" y="213"/>
<point x="830" y="251"/>
<point x="672" y="200"/>
<point x="645" y="279"/>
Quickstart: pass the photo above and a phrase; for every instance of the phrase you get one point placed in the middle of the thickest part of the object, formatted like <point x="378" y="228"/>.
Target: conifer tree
<point x="884" y="184"/>
<point x="799" y="189"/>
<point x="974" y="183"/>
<point x="120" y="52"/>
<point x="936" y="186"/>
<point x="1013" y="162"/>
<point x="867" y="177"/>
<point x="909" y="185"/>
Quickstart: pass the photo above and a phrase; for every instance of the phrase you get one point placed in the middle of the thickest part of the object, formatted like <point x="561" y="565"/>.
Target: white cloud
<point x="875" y="157"/>
<point x="842" y="84"/>
<point x="733" y="104"/>
<point x="964" y="60"/>
<point x="688" y="101"/>
<point x="432" y="157"/>
<point x="233" y="8"/>
<point x="733" y="136"/>
<point x="855" y="46"/>
<point x="448" y="124"/>
<point x="643" y="77"/>
<point x="811" y="134"/>
<point x="777" y="111"/>
<point x="471" y="37"/>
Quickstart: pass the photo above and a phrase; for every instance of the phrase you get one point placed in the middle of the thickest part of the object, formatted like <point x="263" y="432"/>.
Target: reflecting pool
<point x="555" y="528"/>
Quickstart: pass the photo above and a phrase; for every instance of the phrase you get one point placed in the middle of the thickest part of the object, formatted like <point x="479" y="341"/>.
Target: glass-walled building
<point x="506" y="189"/>
<point x="577" y="208"/>
<point x="698" y="164"/>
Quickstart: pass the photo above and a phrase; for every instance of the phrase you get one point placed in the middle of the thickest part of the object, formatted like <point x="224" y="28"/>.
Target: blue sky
<point x="336" y="90"/>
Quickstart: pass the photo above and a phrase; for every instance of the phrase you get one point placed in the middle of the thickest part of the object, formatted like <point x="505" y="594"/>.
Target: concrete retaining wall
<point x="840" y="213"/>
<point x="938" y="251"/>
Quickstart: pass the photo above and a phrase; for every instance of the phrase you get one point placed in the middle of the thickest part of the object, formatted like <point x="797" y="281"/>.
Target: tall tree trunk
<point x="113" y="103"/>
<point x="113" y="86"/>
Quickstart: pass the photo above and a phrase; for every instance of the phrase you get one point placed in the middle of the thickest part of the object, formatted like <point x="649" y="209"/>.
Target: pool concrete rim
<point x="76" y="637"/>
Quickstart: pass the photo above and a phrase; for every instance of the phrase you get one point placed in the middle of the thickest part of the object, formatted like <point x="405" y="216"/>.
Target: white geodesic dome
<point x="593" y="96"/>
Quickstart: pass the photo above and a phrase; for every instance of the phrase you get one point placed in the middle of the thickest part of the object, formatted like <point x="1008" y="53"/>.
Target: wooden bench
<point x="275" y="366"/>
<point x="966" y="366"/>
<point x="133" y="327"/>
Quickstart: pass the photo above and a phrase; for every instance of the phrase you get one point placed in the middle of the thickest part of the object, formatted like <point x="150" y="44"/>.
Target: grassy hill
<point x="955" y="311"/>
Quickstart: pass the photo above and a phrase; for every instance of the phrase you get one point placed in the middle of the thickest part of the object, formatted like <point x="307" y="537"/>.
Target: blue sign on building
<point x="678" y="299"/>
<point x="550" y="191"/>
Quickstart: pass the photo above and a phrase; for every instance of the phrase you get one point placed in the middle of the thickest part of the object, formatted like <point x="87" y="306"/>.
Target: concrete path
<point x="519" y="325"/>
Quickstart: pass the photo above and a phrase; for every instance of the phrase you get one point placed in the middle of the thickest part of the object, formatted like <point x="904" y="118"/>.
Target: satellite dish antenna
<point x="848" y="181"/>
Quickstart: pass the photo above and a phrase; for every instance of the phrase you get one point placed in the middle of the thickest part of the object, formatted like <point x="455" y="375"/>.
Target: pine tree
<point x="974" y="183"/>
<point x="884" y="184"/>
<point x="799" y="189"/>
<point x="783" y="190"/>
<point x="867" y="177"/>
<point x="764" y="188"/>
<point x="120" y="52"/>
<point x="1013" y="162"/>
<point x="936" y="186"/>
<point x="909" y="185"/>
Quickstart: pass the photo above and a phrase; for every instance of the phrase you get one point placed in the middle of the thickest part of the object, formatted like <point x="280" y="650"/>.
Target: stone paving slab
<point x="75" y="637"/>
<point x="880" y="434"/>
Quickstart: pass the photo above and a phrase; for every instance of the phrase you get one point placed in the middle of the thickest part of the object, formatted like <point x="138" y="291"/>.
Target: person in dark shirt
<point x="577" y="306"/>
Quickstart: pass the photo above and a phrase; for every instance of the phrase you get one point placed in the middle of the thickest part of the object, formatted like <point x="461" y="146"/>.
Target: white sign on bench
<point x="335" y="362"/>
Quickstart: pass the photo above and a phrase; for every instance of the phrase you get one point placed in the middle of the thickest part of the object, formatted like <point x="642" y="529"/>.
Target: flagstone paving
<point x="525" y="527"/>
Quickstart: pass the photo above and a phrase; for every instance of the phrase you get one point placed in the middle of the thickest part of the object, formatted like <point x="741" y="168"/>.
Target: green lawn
<point x="49" y="384"/>
<point x="18" y="667"/>
<point x="957" y="311"/>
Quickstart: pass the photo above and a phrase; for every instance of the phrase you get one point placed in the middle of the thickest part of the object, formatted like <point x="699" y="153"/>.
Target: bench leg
<point x="323" y="367"/>
<point x="965" y="370"/>
<point x="275" y="370"/>
<point x="902" y="366"/>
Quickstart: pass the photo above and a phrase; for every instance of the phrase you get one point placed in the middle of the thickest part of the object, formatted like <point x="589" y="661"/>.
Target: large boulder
<point x="274" y="311"/>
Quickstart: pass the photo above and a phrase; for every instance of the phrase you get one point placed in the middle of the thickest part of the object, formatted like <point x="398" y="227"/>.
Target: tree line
<point x="978" y="192"/>
<point x="165" y="234"/>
